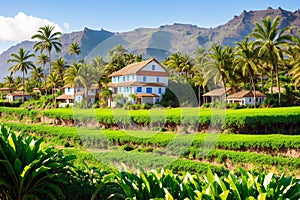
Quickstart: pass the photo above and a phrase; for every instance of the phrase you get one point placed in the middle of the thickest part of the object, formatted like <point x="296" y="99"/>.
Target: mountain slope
<point x="164" y="40"/>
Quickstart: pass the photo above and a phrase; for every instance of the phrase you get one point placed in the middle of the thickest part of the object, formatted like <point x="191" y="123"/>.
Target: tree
<point x="116" y="59"/>
<point x="71" y="75"/>
<point x="246" y="62"/>
<point x="53" y="80"/>
<point x="99" y="65"/>
<point x="74" y="49"/>
<point x="59" y="66"/>
<point x="271" y="39"/>
<point x="42" y="60"/>
<point x="87" y="76"/>
<point x="37" y="75"/>
<point x="220" y="65"/>
<point x="9" y="82"/>
<point x="174" y="62"/>
<point x="47" y="41"/>
<point x="22" y="64"/>
<point x="200" y="64"/>
<point x="294" y="54"/>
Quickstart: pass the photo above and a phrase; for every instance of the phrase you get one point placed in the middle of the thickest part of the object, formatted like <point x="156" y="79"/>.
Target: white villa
<point x="147" y="80"/>
<point x="246" y="98"/>
<point x="68" y="96"/>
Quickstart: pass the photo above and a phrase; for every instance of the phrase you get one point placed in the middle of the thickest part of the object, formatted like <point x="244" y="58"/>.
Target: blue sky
<point x="120" y="15"/>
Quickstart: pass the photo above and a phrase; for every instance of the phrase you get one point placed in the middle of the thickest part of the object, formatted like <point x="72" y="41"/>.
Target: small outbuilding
<point x="246" y="97"/>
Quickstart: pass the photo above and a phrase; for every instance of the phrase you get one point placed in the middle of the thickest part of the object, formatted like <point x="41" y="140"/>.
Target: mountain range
<point x="162" y="41"/>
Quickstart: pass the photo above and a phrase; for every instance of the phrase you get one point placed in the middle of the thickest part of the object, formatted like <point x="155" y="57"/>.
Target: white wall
<point x="158" y="68"/>
<point x="71" y="91"/>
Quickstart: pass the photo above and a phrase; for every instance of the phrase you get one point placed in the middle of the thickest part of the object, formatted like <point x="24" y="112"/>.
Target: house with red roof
<point x="146" y="80"/>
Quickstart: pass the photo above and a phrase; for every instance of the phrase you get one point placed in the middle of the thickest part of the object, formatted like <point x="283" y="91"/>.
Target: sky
<point x="20" y="19"/>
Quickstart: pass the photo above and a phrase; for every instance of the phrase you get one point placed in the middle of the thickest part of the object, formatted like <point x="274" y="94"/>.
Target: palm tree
<point x="59" y="66"/>
<point x="174" y="62"/>
<point x="74" y="49"/>
<point x="87" y="76"/>
<point x="72" y="74"/>
<point x="116" y="59"/>
<point x="246" y="62"/>
<point x="9" y="82"/>
<point x="220" y="66"/>
<point x="53" y="80"/>
<point x="22" y="63"/>
<point x="100" y="65"/>
<point x="42" y="60"/>
<point x="47" y="40"/>
<point x="270" y="39"/>
<point x="37" y="75"/>
<point x="200" y="64"/>
<point x="294" y="54"/>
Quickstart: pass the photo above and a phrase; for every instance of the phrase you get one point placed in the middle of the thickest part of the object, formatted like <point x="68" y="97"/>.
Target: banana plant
<point x="28" y="170"/>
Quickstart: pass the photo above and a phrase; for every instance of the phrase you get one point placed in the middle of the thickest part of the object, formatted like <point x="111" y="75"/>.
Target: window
<point x="69" y="89"/>
<point x="118" y="79"/>
<point x="159" y="90"/>
<point x="130" y="89"/>
<point x="127" y="78"/>
<point x="123" y="78"/>
<point x="114" y="79"/>
<point x="144" y="78"/>
<point x="156" y="100"/>
<point x="153" y="67"/>
<point x="132" y="77"/>
<point x="149" y="90"/>
<point x="157" y="79"/>
<point x="249" y="99"/>
<point x="139" y="89"/>
<point x="120" y="89"/>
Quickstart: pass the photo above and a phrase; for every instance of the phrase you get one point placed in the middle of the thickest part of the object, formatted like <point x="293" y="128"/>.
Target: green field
<point x="211" y="157"/>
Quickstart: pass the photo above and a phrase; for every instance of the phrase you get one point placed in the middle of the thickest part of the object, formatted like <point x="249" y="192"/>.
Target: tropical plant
<point x="9" y="81"/>
<point x="246" y="61"/>
<point x="37" y="75"/>
<point x="221" y="65"/>
<point x="87" y="76"/>
<point x="53" y="80"/>
<point x="28" y="169"/>
<point x="74" y="49"/>
<point x="47" y="41"/>
<point x="42" y="60"/>
<point x="59" y="66"/>
<point x="71" y="76"/>
<point x="271" y="40"/>
<point x="22" y="63"/>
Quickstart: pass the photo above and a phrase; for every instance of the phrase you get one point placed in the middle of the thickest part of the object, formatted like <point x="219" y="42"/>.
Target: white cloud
<point x="66" y="26"/>
<point x="22" y="27"/>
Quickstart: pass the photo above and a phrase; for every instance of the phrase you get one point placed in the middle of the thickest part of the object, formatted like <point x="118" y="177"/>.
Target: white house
<point x="147" y="80"/>
<point x="68" y="96"/>
<point x="17" y="96"/>
<point x="246" y="98"/>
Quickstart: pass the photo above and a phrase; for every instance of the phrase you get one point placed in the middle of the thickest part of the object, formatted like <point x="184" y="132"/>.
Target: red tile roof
<point x="65" y="96"/>
<point x="19" y="94"/>
<point x="146" y="95"/>
<point x="134" y="68"/>
<point x="217" y="92"/>
<point x="245" y="93"/>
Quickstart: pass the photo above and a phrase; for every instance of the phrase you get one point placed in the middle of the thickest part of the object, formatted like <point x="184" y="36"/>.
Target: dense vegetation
<point x="26" y="160"/>
<point x="267" y="56"/>
<point x="284" y="120"/>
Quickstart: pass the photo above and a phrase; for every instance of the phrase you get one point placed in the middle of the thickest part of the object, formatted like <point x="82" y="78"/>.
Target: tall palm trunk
<point x="254" y="91"/>
<point x="45" y="79"/>
<point x="53" y="96"/>
<point x="278" y="83"/>
<point x="86" y="96"/>
<point x="199" y="96"/>
<point x="23" y="85"/>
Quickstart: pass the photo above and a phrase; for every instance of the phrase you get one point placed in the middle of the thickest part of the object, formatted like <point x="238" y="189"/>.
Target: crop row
<point x="264" y="120"/>
<point x="242" y="142"/>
